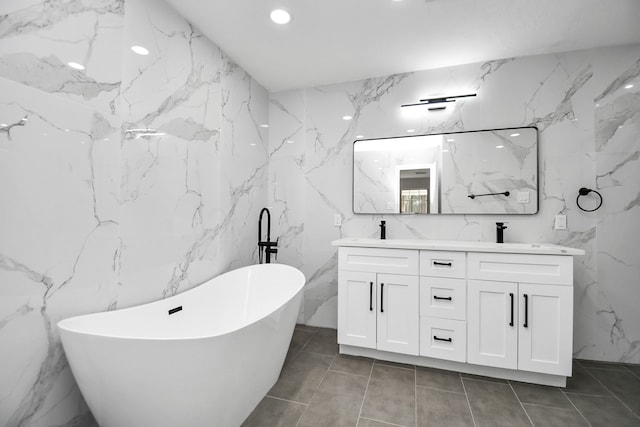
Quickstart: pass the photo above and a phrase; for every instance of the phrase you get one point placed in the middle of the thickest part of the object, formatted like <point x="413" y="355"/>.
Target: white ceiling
<point x="331" y="41"/>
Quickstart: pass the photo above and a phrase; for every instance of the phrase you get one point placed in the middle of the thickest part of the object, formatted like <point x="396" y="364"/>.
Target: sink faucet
<point x="268" y="246"/>
<point x="500" y="232"/>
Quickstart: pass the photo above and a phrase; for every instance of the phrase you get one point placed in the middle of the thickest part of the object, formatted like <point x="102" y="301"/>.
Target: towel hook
<point x="583" y="192"/>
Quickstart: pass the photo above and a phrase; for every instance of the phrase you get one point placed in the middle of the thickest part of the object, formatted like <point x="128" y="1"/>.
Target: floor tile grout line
<point x="466" y="395"/>
<point x="308" y="341"/>
<point x="365" y="393"/>
<point x="632" y="373"/>
<point x="438" y="389"/>
<point x="576" y="408"/>
<point x="347" y="373"/>
<point x="415" y="397"/>
<point x="286" y="400"/>
<point x="315" y="391"/>
<point x="615" y="396"/>
<point x="391" y="365"/>
<point x="380" y="421"/>
<point x="520" y="402"/>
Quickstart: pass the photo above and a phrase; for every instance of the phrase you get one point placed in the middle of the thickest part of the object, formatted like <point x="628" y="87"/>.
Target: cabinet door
<point x="357" y="308"/>
<point x="545" y="328"/>
<point x="398" y="313"/>
<point x="492" y="323"/>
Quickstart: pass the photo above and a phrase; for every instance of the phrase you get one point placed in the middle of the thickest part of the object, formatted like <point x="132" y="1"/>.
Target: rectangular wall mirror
<point x="478" y="172"/>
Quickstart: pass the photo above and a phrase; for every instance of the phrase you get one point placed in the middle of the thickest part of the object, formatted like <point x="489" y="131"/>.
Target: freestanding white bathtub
<point x="208" y="363"/>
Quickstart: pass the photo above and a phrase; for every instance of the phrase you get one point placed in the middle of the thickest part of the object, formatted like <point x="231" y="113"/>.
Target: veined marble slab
<point x="460" y="246"/>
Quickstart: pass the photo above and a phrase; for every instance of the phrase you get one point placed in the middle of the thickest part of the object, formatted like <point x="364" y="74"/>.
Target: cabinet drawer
<point x="443" y="338"/>
<point x="392" y="261"/>
<point x="443" y="297"/>
<point x="545" y="269"/>
<point x="442" y="264"/>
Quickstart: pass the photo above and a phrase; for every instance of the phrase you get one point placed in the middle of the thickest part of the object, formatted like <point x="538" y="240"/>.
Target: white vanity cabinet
<point x="378" y="299"/>
<point x="503" y="310"/>
<point x="521" y="312"/>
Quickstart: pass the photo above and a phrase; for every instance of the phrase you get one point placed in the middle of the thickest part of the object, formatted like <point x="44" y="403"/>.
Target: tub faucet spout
<point x="266" y="247"/>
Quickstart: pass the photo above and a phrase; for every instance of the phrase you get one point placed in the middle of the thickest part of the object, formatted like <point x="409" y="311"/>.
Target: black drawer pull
<point x="444" y="298"/>
<point x="370" y="296"/>
<point x="445" y="264"/>
<point x="526" y="311"/>
<point x="511" y="296"/>
<point x="175" y="310"/>
<point x="442" y="339"/>
<point x="381" y="297"/>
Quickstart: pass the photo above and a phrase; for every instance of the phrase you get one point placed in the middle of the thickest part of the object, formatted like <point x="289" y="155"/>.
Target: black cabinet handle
<point x="381" y="297"/>
<point x="370" y="296"/>
<point x="526" y="311"/>
<point x="442" y="339"/>
<point x="444" y="298"/>
<point x="511" y="296"/>
<point x="446" y="264"/>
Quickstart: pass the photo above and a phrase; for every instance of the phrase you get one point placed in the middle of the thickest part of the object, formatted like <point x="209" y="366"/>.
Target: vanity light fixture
<point x="629" y="86"/>
<point x="264" y="125"/>
<point x="3" y="125"/>
<point x="514" y="134"/>
<point x="411" y="130"/>
<point x="280" y="16"/>
<point x="442" y="100"/>
<point x="499" y="146"/>
<point x="347" y="117"/>
<point x="140" y="50"/>
<point x="75" y="65"/>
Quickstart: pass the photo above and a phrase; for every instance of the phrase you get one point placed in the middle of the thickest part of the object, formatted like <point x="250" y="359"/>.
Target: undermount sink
<point x="459" y="245"/>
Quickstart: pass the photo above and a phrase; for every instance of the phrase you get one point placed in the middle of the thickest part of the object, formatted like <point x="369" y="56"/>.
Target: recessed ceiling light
<point x="629" y="86"/>
<point x="347" y="117"/>
<point x="140" y="50"/>
<point x="515" y="134"/>
<point x="264" y="125"/>
<point x="75" y="65"/>
<point x="280" y="16"/>
<point x="411" y="130"/>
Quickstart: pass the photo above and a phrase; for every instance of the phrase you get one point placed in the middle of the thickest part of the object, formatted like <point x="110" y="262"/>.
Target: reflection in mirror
<point x="479" y="172"/>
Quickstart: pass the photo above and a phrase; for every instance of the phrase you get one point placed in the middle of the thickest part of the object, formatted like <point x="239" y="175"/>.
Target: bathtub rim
<point x="64" y="329"/>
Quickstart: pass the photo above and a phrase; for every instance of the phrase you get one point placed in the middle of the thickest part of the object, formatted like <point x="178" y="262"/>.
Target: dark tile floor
<point x="319" y="387"/>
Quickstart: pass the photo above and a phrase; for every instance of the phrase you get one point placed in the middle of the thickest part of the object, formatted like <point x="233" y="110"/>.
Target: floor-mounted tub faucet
<point x="267" y="246"/>
<point x="500" y="232"/>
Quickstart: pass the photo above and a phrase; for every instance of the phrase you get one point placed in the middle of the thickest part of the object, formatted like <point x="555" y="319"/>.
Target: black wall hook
<point x="583" y="192"/>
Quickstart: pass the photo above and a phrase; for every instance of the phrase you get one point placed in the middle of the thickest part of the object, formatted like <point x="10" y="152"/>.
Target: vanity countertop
<point x="460" y="245"/>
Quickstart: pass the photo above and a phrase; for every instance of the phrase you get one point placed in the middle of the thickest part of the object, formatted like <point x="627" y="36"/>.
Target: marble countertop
<point x="460" y="245"/>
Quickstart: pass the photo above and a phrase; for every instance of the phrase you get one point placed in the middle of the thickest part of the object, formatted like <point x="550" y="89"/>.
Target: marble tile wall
<point x="96" y="215"/>
<point x="588" y="137"/>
